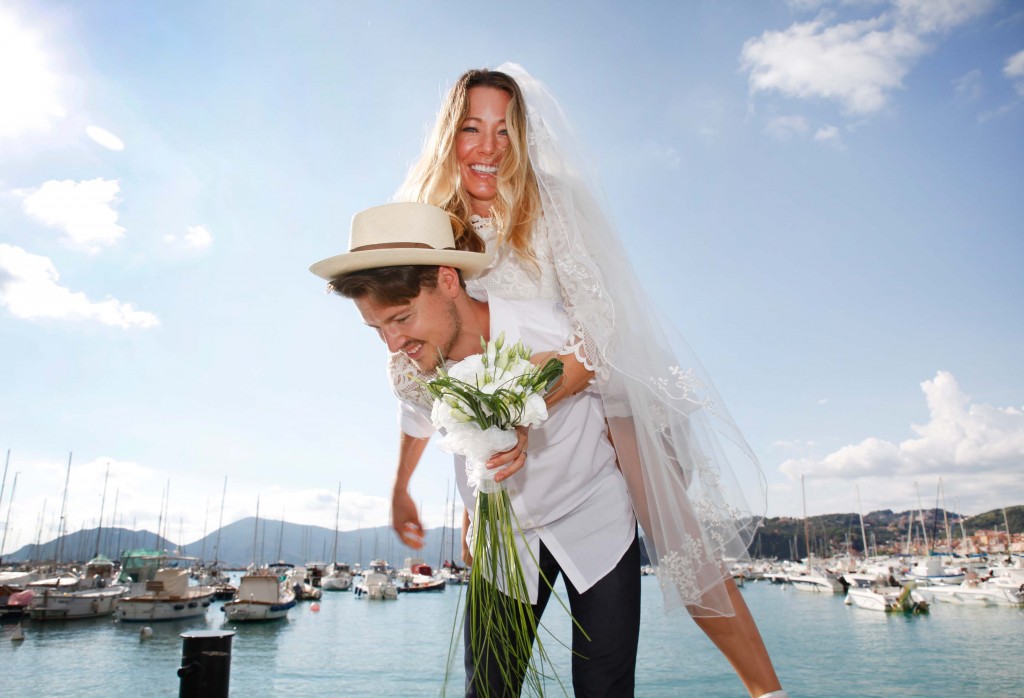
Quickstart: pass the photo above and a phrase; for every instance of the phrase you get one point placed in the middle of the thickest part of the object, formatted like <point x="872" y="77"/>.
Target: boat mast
<point x="3" y="483"/>
<point x="39" y="532"/>
<point x="256" y="533"/>
<point x="113" y="522"/>
<point x="910" y="531"/>
<point x="337" y="518"/>
<point x="103" y="502"/>
<point x="924" y="529"/>
<point x="280" y="537"/>
<point x="945" y="518"/>
<point x="160" y="520"/>
<point x="63" y="514"/>
<point x="1006" y="522"/>
<point x="10" y="505"/>
<point x="444" y="533"/>
<point x="220" y="522"/>
<point x="807" y="541"/>
<point x="860" y="513"/>
<point x="206" y="519"/>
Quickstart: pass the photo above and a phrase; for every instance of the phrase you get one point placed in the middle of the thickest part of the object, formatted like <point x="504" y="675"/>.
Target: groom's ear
<point x="449" y="282"/>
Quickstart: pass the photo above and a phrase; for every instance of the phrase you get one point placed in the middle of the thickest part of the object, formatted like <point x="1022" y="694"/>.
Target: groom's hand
<point x="405" y="519"/>
<point x="513" y="459"/>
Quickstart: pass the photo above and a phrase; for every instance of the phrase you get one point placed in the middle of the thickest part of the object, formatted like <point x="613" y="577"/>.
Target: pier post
<point x="205" y="664"/>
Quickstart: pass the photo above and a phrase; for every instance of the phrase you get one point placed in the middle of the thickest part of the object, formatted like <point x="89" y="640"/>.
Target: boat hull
<point x="332" y="583"/>
<point x="888" y="600"/>
<point x="966" y="595"/>
<point x="256" y="611"/>
<point x="77" y="605"/>
<point x="143" y="608"/>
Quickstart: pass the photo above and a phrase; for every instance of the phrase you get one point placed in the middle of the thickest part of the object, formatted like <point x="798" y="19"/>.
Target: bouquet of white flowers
<point x="479" y="402"/>
<point x="482" y="399"/>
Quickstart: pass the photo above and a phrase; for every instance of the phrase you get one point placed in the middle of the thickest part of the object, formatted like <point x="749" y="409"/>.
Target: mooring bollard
<point x="205" y="664"/>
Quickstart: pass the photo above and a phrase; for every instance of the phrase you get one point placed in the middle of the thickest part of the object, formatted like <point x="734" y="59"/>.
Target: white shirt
<point x="570" y="494"/>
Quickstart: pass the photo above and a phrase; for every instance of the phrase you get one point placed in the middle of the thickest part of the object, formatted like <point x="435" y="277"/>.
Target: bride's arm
<point x="576" y="376"/>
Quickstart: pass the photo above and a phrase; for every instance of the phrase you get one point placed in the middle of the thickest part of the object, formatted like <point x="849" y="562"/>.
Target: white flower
<point x="536" y="411"/>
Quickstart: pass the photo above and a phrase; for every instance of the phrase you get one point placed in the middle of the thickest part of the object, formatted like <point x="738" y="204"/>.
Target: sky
<point x="826" y="197"/>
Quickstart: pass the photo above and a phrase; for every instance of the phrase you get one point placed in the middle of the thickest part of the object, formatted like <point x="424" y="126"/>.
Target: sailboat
<point x="339" y="578"/>
<point x="813" y="579"/>
<point x="263" y="594"/>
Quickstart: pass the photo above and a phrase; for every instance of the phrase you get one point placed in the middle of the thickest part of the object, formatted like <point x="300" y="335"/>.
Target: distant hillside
<point x="233" y="545"/>
<point x="87" y="543"/>
<point x="783" y="537"/>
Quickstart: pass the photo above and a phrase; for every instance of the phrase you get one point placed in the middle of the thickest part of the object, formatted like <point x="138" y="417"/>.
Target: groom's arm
<point x="404" y="517"/>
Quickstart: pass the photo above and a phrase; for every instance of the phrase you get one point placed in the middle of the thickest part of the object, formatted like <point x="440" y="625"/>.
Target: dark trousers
<point x="603" y="665"/>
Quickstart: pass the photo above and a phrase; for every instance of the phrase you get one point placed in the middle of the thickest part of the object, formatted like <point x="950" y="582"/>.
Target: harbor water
<point x="357" y="647"/>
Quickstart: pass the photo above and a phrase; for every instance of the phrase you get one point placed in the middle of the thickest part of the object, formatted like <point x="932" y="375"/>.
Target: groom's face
<point x="424" y="329"/>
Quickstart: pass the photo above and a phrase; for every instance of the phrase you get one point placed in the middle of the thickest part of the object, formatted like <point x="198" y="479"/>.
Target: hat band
<point x="396" y="246"/>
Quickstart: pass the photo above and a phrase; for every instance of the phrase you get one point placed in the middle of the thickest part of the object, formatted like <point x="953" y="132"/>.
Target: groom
<point x="407" y="280"/>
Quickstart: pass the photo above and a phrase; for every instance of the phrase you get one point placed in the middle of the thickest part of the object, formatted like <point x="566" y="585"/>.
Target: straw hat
<point x="397" y="234"/>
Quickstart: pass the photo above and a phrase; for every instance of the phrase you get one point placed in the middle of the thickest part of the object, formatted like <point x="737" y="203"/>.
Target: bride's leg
<point x="738" y="638"/>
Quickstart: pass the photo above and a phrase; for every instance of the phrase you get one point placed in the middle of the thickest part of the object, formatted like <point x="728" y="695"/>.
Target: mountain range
<point x="241" y="543"/>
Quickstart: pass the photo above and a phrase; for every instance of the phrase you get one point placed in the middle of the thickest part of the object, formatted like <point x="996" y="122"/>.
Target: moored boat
<point x="976" y="593"/>
<point x="94" y="595"/>
<point x="260" y="597"/>
<point x="339" y="578"/>
<point x="168" y="596"/>
<point x="376" y="586"/>
<point x="888" y="599"/>
<point x="421" y="578"/>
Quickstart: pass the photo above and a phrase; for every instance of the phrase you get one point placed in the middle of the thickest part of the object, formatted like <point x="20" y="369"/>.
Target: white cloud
<point x="27" y="83"/>
<point x="829" y="135"/>
<point x="969" y="86"/>
<point x="1014" y="68"/>
<point x="824" y="400"/>
<point x="927" y="16"/>
<point x="196" y="237"/>
<point x="1015" y="65"/>
<point x="29" y="289"/>
<point x="786" y="126"/>
<point x="104" y="138"/>
<point x="856" y="63"/>
<point x="82" y="210"/>
<point x="975" y="447"/>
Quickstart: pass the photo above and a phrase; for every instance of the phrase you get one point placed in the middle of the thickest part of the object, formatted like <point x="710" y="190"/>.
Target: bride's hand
<point x="513" y="459"/>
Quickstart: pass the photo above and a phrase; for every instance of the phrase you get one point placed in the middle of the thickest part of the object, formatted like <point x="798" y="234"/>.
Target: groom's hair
<point x="388" y="285"/>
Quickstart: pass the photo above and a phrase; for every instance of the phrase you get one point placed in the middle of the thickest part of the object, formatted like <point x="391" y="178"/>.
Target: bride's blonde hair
<point x="435" y="178"/>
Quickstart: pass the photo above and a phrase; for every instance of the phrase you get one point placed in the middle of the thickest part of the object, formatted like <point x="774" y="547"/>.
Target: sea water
<point x="355" y="647"/>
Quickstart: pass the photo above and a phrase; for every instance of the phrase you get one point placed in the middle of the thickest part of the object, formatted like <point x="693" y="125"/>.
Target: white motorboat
<point x="339" y="578"/>
<point x="168" y="596"/>
<point x="376" y="586"/>
<point x="933" y="572"/>
<point x="260" y="597"/>
<point x="976" y="593"/>
<point x="420" y="578"/>
<point x="887" y="599"/>
<point x="817" y="581"/>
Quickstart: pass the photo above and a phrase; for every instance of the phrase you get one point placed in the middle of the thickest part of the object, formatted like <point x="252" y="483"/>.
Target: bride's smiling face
<point x="480" y="145"/>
